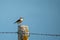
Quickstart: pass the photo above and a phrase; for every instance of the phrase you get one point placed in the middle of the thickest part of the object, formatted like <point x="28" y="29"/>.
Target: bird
<point x="19" y="21"/>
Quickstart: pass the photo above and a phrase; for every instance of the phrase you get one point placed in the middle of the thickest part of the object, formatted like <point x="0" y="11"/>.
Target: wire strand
<point x="45" y="34"/>
<point x="31" y="33"/>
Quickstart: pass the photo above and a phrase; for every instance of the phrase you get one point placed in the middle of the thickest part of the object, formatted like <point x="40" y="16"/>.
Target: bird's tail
<point x="15" y="22"/>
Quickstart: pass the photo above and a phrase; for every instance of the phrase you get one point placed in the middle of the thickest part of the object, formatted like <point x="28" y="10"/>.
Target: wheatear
<point x="19" y="21"/>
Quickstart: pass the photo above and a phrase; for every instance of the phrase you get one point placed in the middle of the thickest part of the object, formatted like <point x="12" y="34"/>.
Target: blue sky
<point x="42" y="16"/>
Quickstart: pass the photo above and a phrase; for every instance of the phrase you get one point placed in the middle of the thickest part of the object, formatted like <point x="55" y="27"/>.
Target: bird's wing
<point x="17" y="21"/>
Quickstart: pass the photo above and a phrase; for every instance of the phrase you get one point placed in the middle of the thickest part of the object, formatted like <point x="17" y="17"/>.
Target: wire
<point x="31" y="33"/>
<point x="7" y="32"/>
<point x="45" y="34"/>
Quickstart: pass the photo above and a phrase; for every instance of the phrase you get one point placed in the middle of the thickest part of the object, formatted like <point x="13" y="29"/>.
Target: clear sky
<point x="42" y="16"/>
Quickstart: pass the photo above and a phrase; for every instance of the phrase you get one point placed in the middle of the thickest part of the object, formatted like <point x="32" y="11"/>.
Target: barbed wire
<point x="7" y="32"/>
<point x="45" y="34"/>
<point x="31" y="33"/>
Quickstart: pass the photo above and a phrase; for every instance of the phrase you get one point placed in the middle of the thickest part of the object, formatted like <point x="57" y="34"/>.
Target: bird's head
<point x="21" y="17"/>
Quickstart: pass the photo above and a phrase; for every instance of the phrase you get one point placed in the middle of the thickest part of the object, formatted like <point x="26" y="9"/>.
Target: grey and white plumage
<point x="19" y="20"/>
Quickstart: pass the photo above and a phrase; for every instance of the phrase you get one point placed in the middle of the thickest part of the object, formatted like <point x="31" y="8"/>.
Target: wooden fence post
<point x="23" y="32"/>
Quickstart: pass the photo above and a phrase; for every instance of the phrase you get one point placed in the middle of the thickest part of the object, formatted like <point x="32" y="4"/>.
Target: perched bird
<point x="19" y="21"/>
